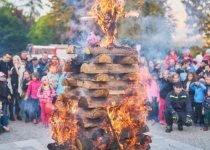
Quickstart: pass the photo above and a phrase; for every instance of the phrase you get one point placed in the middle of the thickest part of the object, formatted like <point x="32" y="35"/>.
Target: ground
<point x="194" y="136"/>
<point x="21" y="131"/>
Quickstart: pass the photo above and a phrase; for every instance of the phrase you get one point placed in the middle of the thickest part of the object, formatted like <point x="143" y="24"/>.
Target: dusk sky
<point x="178" y="11"/>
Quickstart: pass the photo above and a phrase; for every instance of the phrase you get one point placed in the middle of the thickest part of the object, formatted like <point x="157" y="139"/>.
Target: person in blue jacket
<point x="200" y="90"/>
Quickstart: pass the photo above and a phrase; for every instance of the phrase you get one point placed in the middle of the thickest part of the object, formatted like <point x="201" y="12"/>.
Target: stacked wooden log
<point x="107" y="81"/>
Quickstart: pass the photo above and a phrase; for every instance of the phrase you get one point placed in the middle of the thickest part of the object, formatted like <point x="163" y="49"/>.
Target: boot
<point x="11" y="118"/>
<point x="205" y="129"/>
<point x="169" y="128"/>
<point x="19" y="118"/>
<point x="180" y="127"/>
<point x="34" y="121"/>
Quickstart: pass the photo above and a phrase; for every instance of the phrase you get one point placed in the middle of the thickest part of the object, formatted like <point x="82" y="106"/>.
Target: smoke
<point x="81" y="29"/>
<point x="153" y="32"/>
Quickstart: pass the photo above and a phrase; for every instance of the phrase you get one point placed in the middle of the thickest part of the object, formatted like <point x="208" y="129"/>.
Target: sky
<point x="177" y="7"/>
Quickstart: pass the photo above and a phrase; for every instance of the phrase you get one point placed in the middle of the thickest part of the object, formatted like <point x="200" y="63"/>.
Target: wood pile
<point x="106" y="81"/>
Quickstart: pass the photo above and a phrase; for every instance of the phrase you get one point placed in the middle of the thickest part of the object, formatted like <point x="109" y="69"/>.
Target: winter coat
<point x="4" y="92"/>
<point x="61" y="88"/>
<point x="33" y="89"/>
<point x="206" y="103"/>
<point x="50" y="93"/>
<point x="165" y="87"/>
<point x="39" y="70"/>
<point x="153" y="90"/>
<point x="182" y="74"/>
<point x="168" y="58"/>
<point x="186" y="56"/>
<point x="200" y="92"/>
<point x="178" y="102"/>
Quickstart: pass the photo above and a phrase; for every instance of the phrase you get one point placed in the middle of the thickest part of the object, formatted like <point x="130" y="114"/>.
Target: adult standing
<point x="35" y="67"/>
<point x="23" y="56"/>
<point x="44" y="60"/>
<point x="5" y="64"/>
<point x="16" y="81"/>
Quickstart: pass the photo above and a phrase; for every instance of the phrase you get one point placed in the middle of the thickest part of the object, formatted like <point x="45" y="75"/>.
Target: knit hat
<point x="202" y="81"/>
<point x="208" y="51"/>
<point x="43" y="78"/>
<point x="172" y="69"/>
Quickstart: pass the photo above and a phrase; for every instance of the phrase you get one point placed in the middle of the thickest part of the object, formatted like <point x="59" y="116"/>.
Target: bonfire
<point x="103" y="107"/>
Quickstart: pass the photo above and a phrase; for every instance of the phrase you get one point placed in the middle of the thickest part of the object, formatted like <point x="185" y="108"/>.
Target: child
<point x="191" y="77"/>
<point x="170" y="56"/>
<point x="165" y="87"/>
<point x="33" y="108"/>
<point x="61" y="88"/>
<point x="153" y="98"/>
<point x="53" y="76"/>
<point x="45" y="94"/>
<point x="206" y="110"/>
<point x="3" y="120"/>
<point x="200" y="90"/>
<point x="25" y="84"/>
<point x="5" y="94"/>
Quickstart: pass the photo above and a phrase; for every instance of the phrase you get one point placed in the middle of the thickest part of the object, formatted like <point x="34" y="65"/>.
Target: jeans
<point x="4" y="120"/>
<point x="4" y="107"/>
<point x="206" y="117"/>
<point x="153" y="114"/>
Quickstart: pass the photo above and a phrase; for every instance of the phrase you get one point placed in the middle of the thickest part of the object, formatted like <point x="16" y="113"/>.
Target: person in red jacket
<point x="170" y="56"/>
<point x="33" y="108"/>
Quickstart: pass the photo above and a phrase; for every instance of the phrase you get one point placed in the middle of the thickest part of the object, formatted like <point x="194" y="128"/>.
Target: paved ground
<point x="194" y="136"/>
<point x="34" y="137"/>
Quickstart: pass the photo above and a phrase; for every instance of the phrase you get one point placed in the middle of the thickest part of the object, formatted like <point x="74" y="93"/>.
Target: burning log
<point x="84" y="92"/>
<point x="98" y="77"/>
<point x="120" y="85"/>
<point x="92" y="113"/>
<point x="89" y="123"/>
<point x="84" y="143"/>
<point x="107" y="68"/>
<point x="102" y="59"/>
<point x="113" y="51"/>
<point x="131" y="77"/>
<point x="128" y="60"/>
<point x="90" y="102"/>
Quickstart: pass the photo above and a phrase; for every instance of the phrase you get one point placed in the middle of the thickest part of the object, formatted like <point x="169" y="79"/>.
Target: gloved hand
<point x="188" y="119"/>
<point x="175" y="116"/>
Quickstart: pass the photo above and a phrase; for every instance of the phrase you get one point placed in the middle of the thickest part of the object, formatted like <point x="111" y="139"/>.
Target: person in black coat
<point x="5" y="93"/>
<point x="178" y="108"/>
<point x="5" y="64"/>
<point x="35" y="67"/>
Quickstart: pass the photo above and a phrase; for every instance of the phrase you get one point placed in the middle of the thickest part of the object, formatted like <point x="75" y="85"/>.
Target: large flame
<point x="107" y="12"/>
<point x="131" y="115"/>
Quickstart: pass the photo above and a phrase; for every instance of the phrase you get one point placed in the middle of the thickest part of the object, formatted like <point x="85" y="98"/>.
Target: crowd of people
<point x="27" y="85"/>
<point x="178" y="89"/>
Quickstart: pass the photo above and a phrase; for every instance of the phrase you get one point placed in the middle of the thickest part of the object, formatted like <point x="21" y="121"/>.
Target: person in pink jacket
<point x="170" y="56"/>
<point x="32" y="105"/>
<point x="153" y="98"/>
<point x="45" y="94"/>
